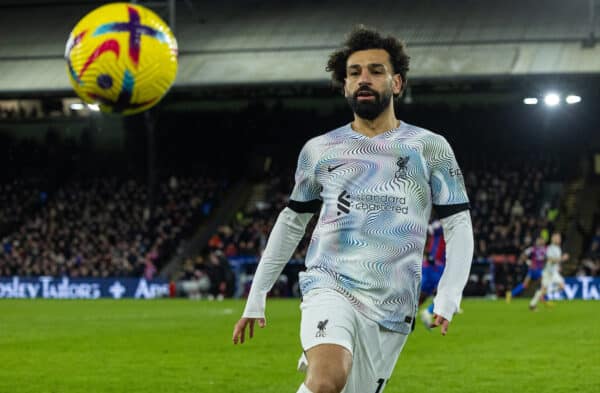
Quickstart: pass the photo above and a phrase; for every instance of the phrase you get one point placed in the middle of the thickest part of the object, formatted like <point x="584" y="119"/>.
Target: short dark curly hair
<point x="363" y="38"/>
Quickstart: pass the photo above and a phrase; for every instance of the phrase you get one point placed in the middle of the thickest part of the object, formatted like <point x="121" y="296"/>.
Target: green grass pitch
<point x="185" y="346"/>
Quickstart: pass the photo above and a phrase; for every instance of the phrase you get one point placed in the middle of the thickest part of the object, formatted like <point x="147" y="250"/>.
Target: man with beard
<point x="373" y="183"/>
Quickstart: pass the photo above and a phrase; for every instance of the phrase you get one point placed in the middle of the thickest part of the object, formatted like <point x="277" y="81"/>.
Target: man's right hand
<point x="239" y="330"/>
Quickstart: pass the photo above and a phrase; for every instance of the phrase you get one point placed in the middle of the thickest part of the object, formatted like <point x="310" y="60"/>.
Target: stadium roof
<point x="238" y="42"/>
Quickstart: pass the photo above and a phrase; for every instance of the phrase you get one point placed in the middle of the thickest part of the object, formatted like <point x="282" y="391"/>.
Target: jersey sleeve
<point x="448" y="191"/>
<point x="306" y="194"/>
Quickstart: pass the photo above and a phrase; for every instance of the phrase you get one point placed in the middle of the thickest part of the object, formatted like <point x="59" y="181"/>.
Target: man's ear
<point x="398" y="84"/>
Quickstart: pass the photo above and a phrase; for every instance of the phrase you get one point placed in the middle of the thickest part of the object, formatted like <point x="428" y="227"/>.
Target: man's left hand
<point x="438" y="320"/>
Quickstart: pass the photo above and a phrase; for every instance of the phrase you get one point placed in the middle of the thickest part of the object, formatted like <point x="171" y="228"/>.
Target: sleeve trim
<point x="313" y="206"/>
<point x="444" y="211"/>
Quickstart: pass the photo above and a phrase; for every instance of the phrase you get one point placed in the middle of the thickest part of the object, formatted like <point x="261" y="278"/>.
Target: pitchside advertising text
<point x="587" y="288"/>
<point x="82" y="288"/>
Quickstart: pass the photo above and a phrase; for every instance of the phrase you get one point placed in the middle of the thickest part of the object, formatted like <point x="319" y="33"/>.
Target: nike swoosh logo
<point x="333" y="168"/>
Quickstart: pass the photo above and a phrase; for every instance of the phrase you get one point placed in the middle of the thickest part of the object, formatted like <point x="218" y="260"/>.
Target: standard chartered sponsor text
<point x="381" y="202"/>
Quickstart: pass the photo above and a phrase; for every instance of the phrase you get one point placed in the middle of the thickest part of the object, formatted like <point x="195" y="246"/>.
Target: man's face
<point x="556" y="239"/>
<point x="370" y="82"/>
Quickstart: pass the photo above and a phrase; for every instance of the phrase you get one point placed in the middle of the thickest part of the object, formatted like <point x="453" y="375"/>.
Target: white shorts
<point x="552" y="278"/>
<point x="329" y="318"/>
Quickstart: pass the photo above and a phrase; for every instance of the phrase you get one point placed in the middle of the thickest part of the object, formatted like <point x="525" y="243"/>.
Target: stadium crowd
<point x="507" y="208"/>
<point x="103" y="227"/>
<point x="17" y="198"/>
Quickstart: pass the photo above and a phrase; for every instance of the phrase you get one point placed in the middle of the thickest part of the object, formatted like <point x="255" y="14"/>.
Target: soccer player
<point x="536" y="256"/>
<point x="373" y="183"/>
<point x="551" y="273"/>
<point x="433" y="267"/>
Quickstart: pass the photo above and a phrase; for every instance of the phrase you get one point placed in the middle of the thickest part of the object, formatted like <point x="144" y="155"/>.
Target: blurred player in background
<point x="535" y="257"/>
<point x="434" y="261"/>
<point x="551" y="274"/>
<point x="373" y="183"/>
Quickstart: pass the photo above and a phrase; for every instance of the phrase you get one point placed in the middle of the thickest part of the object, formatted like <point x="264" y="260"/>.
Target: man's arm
<point x="458" y="233"/>
<point x="451" y="203"/>
<point x="305" y="200"/>
<point x="283" y="240"/>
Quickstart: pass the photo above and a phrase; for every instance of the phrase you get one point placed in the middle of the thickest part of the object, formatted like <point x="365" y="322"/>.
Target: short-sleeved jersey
<point x="374" y="198"/>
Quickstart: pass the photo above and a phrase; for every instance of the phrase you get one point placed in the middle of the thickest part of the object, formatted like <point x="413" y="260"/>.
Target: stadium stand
<point x="103" y="228"/>
<point x="60" y="217"/>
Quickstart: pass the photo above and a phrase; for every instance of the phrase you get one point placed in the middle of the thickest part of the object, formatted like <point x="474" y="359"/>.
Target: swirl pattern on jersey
<point x="377" y="197"/>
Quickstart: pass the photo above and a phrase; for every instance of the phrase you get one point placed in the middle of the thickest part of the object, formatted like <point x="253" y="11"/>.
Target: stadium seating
<point x="102" y="227"/>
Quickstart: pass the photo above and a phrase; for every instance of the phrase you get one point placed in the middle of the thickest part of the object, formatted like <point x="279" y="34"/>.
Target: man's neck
<point x="384" y="122"/>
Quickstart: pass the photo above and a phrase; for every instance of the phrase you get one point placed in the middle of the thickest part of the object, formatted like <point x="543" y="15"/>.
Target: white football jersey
<point x="555" y="252"/>
<point x="374" y="198"/>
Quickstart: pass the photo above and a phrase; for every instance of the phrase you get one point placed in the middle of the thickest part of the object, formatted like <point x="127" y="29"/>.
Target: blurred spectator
<point x="194" y="283"/>
<point x="220" y="275"/>
<point x="590" y="263"/>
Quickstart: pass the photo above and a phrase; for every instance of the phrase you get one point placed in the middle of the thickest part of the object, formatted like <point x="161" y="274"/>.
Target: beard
<point x="369" y="109"/>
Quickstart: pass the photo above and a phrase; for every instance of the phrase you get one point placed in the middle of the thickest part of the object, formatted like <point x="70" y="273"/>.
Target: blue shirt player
<point x="434" y="262"/>
<point x="536" y="256"/>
